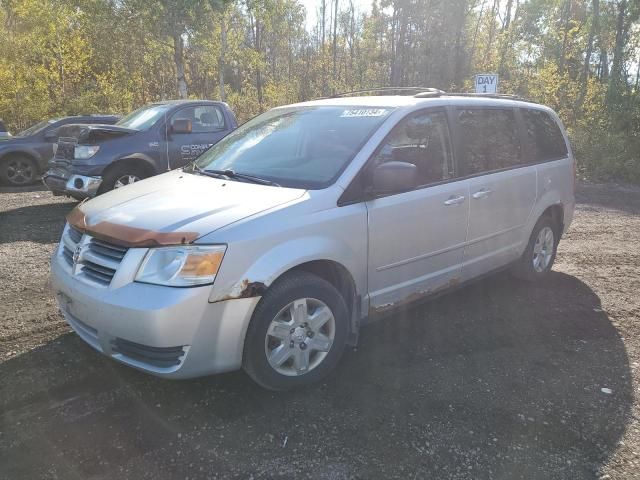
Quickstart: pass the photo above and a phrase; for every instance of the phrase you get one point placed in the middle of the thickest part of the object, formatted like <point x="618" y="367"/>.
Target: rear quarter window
<point x="543" y="136"/>
<point x="489" y="140"/>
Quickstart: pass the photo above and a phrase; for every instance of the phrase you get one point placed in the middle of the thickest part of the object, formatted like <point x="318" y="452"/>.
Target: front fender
<point x="100" y="167"/>
<point x="274" y="262"/>
<point x="21" y="150"/>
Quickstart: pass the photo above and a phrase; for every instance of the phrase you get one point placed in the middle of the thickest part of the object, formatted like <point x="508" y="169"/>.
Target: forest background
<point x="581" y="57"/>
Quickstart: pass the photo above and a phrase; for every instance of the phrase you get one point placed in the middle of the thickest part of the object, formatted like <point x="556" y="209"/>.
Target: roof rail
<point x="426" y="91"/>
<point x="505" y="96"/>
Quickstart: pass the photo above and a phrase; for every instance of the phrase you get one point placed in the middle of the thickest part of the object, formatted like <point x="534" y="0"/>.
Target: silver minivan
<point x="272" y="249"/>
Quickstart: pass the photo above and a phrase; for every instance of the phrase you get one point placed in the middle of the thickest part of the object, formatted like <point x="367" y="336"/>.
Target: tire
<point x="276" y="333"/>
<point x="537" y="260"/>
<point x="18" y="170"/>
<point x="121" y="175"/>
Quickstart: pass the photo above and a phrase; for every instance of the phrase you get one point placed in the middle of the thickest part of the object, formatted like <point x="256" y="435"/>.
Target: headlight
<point x="82" y="152"/>
<point x="181" y="266"/>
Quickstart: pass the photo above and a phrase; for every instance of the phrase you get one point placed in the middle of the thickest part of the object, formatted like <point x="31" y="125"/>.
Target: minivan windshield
<point x="299" y="147"/>
<point x="144" y="118"/>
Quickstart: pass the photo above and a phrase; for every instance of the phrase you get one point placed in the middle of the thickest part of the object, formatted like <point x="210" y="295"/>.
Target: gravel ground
<point x="498" y="380"/>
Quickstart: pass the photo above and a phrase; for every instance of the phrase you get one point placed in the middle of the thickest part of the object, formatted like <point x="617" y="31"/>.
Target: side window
<point x="544" y="138"/>
<point x="423" y="140"/>
<point x="489" y="140"/>
<point x="204" y="118"/>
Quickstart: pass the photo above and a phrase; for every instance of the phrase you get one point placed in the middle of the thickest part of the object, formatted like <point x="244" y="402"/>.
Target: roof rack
<point x="426" y="91"/>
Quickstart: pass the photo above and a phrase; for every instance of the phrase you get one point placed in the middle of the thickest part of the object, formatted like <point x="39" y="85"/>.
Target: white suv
<point x="273" y="248"/>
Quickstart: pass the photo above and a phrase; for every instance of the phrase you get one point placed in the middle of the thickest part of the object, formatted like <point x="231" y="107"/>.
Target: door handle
<point x="484" y="193"/>
<point x="453" y="200"/>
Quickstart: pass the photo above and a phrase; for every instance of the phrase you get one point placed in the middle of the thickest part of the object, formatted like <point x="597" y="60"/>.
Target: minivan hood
<point x="174" y="208"/>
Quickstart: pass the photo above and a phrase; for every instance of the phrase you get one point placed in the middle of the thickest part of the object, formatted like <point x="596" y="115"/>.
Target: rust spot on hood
<point x="127" y="236"/>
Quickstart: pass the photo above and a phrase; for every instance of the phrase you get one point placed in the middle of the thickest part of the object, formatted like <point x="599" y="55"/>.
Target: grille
<point x="161" y="357"/>
<point x="101" y="260"/>
<point x="76" y="235"/>
<point x="98" y="261"/>
<point x="66" y="148"/>
<point x="70" y="241"/>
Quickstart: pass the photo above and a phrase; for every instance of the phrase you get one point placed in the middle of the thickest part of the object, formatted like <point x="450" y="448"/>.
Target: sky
<point x="313" y="7"/>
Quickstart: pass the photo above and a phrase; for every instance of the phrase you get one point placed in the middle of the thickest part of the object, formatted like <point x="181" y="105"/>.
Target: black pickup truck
<point x="93" y="159"/>
<point x="24" y="156"/>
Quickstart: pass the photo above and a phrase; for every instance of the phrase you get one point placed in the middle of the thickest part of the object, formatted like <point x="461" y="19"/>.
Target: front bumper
<point x="61" y="182"/>
<point x="168" y="332"/>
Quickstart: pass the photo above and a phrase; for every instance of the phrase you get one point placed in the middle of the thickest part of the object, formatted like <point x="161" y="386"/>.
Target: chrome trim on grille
<point x="91" y="259"/>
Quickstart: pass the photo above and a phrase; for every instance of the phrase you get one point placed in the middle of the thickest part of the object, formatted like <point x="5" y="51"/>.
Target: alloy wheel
<point x="20" y="171"/>
<point x="543" y="249"/>
<point x="126" y="180"/>
<point x="300" y="336"/>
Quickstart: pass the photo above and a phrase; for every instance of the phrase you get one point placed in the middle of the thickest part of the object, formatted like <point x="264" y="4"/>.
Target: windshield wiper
<point x="241" y="176"/>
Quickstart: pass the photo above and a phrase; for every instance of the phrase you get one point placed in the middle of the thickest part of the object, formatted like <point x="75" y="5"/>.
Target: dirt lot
<point x="499" y="380"/>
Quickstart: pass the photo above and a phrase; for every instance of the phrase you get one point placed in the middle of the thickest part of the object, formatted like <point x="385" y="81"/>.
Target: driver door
<point x="416" y="238"/>
<point x="207" y="128"/>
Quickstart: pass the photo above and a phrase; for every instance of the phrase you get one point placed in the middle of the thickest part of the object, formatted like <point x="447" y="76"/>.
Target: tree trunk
<point x="221" y="60"/>
<point x="178" y="58"/>
<point x="507" y="19"/>
<point x="618" y="52"/>
<point x="335" y="36"/>
<point x="458" y="58"/>
<point x="566" y="13"/>
<point x="492" y="19"/>
<point x="584" y="75"/>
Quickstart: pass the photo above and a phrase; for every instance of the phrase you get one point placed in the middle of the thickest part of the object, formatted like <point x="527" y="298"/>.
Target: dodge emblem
<point x="76" y="255"/>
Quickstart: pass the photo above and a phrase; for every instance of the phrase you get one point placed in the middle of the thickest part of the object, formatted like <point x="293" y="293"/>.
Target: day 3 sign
<point x="487" y="83"/>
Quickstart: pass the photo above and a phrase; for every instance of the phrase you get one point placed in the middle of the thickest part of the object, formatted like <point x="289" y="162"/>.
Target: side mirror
<point x="394" y="177"/>
<point x="181" y="125"/>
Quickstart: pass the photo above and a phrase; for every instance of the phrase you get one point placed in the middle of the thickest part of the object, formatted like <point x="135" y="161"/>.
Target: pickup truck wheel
<point x="538" y="257"/>
<point x="121" y="176"/>
<point x="297" y="334"/>
<point x="18" y="170"/>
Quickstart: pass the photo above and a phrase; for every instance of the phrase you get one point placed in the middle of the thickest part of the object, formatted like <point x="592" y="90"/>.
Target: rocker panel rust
<point x="127" y="236"/>
<point x="415" y="298"/>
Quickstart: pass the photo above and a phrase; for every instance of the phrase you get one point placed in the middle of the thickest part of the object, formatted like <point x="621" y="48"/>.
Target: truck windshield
<point x="144" y="118"/>
<point x="32" y="130"/>
<point x="298" y="147"/>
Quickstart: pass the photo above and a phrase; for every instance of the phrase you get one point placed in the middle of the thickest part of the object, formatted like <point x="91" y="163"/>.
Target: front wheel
<point x="121" y="176"/>
<point x="297" y="333"/>
<point x="18" y="170"/>
<point x="538" y="257"/>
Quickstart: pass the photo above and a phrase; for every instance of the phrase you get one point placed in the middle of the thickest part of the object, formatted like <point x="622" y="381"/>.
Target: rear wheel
<point x="538" y="257"/>
<point x="297" y="334"/>
<point x="18" y="170"/>
<point x="121" y="176"/>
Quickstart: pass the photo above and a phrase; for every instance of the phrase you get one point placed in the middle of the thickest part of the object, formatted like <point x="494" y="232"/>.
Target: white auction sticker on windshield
<point x="364" y="112"/>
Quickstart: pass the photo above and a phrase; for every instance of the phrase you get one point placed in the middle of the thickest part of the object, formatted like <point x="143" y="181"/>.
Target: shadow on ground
<point x="34" y="187"/>
<point x="35" y="223"/>
<point x="617" y="197"/>
<point x="499" y="380"/>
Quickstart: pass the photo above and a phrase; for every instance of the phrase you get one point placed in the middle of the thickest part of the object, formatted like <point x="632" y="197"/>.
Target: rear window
<point x="489" y="140"/>
<point x="544" y="138"/>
